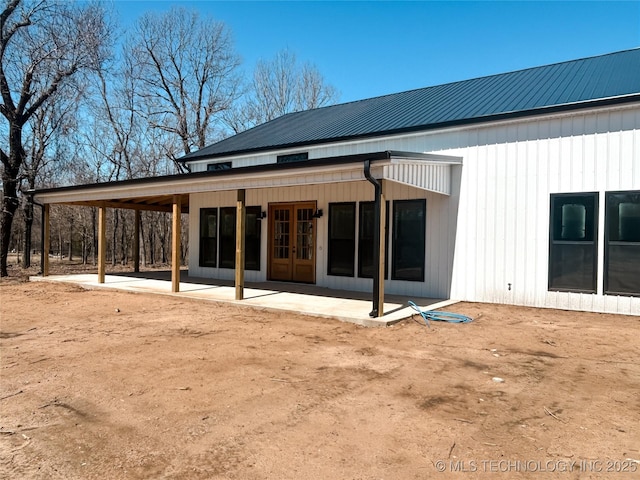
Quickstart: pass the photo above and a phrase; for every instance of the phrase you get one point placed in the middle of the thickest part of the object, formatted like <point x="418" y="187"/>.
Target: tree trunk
<point x="164" y="237"/>
<point x="9" y="207"/>
<point x="70" y="238"/>
<point x="144" y="244"/>
<point x="152" y="246"/>
<point x="10" y="173"/>
<point x="28" y="227"/>
<point x="84" y="245"/>
<point x="94" y="235"/>
<point x="124" y="257"/>
<point x="114" y="237"/>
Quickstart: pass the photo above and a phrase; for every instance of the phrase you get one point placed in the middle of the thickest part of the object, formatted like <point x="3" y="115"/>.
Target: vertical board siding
<point x="439" y="241"/>
<point x="496" y="220"/>
<point x="507" y="181"/>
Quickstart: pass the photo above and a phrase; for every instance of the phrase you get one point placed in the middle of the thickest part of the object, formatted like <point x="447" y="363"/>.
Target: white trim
<point x="309" y="175"/>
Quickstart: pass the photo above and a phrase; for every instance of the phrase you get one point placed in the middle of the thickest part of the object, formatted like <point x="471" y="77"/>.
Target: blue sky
<point x="366" y="49"/>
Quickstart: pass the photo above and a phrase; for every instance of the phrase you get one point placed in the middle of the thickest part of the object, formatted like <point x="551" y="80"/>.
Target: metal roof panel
<point x="574" y="84"/>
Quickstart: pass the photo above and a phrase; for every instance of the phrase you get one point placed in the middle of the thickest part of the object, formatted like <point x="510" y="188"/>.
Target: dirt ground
<point x="114" y="385"/>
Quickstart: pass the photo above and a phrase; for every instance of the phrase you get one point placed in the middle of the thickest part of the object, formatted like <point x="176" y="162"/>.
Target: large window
<point x="251" y="238"/>
<point x="366" y="232"/>
<point x="208" y="237"/>
<point x="342" y="239"/>
<point x="622" y="247"/>
<point x="573" y="249"/>
<point x="221" y="237"/>
<point x="228" y="237"/>
<point x="409" y="223"/>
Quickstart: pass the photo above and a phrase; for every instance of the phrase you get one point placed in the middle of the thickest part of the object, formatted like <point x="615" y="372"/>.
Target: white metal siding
<point x="501" y="233"/>
<point x="510" y="170"/>
<point x="509" y="174"/>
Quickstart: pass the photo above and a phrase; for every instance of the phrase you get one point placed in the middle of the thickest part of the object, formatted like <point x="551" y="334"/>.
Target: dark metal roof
<point x="606" y="79"/>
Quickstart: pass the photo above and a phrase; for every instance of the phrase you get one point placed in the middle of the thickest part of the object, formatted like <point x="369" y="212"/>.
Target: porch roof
<point x="425" y="171"/>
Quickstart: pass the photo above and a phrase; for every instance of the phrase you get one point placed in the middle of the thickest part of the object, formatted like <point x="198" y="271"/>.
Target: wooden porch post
<point x="102" y="242"/>
<point x="46" y="240"/>
<point x="381" y="256"/>
<point x="136" y="241"/>
<point x="175" y="245"/>
<point x="240" y="227"/>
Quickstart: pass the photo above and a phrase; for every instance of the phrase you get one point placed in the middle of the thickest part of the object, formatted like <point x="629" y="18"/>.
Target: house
<point x="520" y="188"/>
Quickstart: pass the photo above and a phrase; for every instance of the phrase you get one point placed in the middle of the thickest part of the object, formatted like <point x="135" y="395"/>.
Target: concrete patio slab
<point x="310" y="300"/>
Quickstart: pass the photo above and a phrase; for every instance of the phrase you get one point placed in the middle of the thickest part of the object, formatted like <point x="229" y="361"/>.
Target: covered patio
<point x="172" y="194"/>
<point x="283" y="297"/>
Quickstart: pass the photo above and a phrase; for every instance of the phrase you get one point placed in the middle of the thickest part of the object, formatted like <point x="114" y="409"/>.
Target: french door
<point x="292" y="242"/>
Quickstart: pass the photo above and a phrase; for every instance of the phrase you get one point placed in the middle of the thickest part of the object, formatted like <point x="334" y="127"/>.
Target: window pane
<point x="251" y="238"/>
<point x="293" y="157"/>
<point x="304" y="234"/>
<point x="409" y="223"/>
<point x="281" y="233"/>
<point x="342" y="230"/>
<point x="365" y="240"/>
<point x="573" y="266"/>
<point x="622" y="251"/>
<point x="215" y="167"/>
<point x="208" y="237"/>
<point x="623" y="272"/>
<point x="574" y="218"/>
<point x="573" y="242"/>
<point x="228" y="237"/>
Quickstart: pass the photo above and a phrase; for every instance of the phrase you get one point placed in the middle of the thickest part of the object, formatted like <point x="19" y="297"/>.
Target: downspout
<point x="376" y="237"/>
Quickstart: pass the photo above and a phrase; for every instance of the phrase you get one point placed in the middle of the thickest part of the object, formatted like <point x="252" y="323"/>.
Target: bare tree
<point x="54" y="120"/>
<point x="188" y="73"/>
<point x="117" y="114"/>
<point x="43" y="46"/>
<point x="280" y="86"/>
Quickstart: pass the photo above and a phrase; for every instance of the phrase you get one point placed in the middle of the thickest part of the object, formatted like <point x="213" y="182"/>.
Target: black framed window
<point x="228" y="237"/>
<point x="573" y="244"/>
<point x="251" y="238"/>
<point x="409" y="224"/>
<point x="293" y="157"/>
<point x="216" y="167"/>
<point x="365" y="240"/>
<point x="208" y="237"/>
<point x="342" y="239"/>
<point x="622" y="243"/>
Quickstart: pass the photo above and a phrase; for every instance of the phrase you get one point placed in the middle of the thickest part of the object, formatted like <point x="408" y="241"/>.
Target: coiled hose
<point x="435" y="316"/>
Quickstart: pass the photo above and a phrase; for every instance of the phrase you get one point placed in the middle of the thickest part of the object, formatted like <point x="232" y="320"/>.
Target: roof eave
<point x="251" y="170"/>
